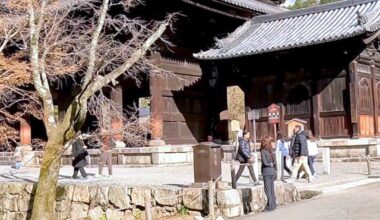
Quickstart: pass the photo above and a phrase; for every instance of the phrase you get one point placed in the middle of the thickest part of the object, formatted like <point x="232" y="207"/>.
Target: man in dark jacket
<point x="244" y="156"/>
<point x="300" y="152"/>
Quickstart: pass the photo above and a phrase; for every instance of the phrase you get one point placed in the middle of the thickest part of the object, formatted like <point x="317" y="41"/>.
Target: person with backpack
<point x="283" y="147"/>
<point x="107" y="144"/>
<point x="244" y="156"/>
<point x="79" y="153"/>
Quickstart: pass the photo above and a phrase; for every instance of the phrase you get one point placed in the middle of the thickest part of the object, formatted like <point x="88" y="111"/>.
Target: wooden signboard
<point x="253" y="115"/>
<point x="274" y="114"/>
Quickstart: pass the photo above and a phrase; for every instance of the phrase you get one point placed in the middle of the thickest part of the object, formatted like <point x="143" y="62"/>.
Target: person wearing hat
<point x="244" y="156"/>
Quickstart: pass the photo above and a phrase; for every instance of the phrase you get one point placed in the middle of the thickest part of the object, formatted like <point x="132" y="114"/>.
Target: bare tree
<point x="80" y="40"/>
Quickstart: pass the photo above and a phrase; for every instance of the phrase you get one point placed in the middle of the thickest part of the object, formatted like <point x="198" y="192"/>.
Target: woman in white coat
<point x="313" y="152"/>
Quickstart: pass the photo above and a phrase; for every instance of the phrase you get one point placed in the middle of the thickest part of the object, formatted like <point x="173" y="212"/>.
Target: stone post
<point x="278" y="164"/>
<point x="116" y="96"/>
<point x="326" y="160"/>
<point x="157" y="124"/>
<point x="256" y="165"/>
<point x="377" y="147"/>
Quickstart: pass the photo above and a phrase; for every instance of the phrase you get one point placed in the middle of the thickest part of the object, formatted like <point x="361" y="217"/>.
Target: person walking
<point x="313" y="152"/>
<point x="300" y="153"/>
<point x="283" y="147"/>
<point x="107" y="144"/>
<point x="79" y="153"/>
<point x="244" y="156"/>
<point x="268" y="170"/>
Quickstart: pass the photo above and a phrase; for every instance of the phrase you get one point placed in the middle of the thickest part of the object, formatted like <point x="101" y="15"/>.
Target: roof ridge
<point x="250" y="5"/>
<point x="311" y="10"/>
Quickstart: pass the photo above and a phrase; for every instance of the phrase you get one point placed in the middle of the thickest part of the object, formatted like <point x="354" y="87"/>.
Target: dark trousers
<point x="82" y="172"/>
<point x="310" y="162"/>
<point x="241" y="169"/>
<point x="269" y="192"/>
<point x="284" y="166"/>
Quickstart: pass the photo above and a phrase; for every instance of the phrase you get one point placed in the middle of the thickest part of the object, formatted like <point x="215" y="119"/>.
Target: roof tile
<point x="299" y="28"/>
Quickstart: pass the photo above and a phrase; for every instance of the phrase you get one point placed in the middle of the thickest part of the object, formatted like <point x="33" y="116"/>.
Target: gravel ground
<point x="180" y="175"/>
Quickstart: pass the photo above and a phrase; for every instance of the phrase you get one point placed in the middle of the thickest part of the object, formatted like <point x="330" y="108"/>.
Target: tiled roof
<point x="298" y="28"/>
<point x="255" y="6"/>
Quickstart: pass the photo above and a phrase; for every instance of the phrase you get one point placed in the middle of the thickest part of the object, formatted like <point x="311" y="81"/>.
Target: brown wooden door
<point x="298" y="104"/>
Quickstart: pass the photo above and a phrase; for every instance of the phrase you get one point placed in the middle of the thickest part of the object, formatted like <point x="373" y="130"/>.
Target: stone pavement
<point x="357" y="203"/>
<point x="182" y="175"/>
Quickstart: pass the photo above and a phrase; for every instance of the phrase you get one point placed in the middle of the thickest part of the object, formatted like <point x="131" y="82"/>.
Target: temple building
<point x="320" y="64"/>
<point x="178" y="102"/>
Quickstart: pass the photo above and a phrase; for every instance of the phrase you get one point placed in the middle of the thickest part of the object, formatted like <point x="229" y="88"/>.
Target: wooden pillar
<point x="116" y="96"/>
<point x="353" y="86"/>
<point x="316" y="103"/>
<point x="282" y="125"/>
<point x="25" y="133"/>
<point x="375" y="98"/>
<point x="156" y="109"/>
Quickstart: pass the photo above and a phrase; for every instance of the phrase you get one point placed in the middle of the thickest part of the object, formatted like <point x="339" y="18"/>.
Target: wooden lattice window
<point x="378" y="95"/>
<point x="365" y="96"/>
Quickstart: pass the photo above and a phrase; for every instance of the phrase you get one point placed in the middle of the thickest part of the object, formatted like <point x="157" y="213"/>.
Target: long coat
<point x="79" y="154"/>
<point x="268" y="163"/>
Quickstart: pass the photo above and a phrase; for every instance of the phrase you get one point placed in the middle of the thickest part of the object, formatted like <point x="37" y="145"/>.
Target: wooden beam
<point x="316" y="108"/>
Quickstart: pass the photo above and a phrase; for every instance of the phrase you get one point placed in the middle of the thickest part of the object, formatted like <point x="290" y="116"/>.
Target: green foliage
<point x="103" y="217"/>
<point x="183" y="211"/>
<point x="136" y="214"/>
<point x="308" y="3"/>
<point x="326" y="1"/>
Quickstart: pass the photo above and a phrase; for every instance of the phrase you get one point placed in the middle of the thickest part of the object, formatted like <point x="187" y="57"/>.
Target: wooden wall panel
<point x="366" y="125"/>
<point x="378" y="122"/>
<point x="334" y="126"/>
<point x="333" y="95"/>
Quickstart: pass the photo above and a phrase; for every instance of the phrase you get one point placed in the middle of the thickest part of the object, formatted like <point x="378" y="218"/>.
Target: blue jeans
<point x="310" y="162"/>
<point x="18" y="165"/>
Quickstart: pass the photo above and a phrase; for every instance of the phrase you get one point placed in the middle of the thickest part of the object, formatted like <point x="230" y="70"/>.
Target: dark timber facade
<point x="321" y="65"/>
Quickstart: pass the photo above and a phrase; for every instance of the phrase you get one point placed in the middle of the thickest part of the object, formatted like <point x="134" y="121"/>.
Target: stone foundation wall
<point x="122" y="202"/>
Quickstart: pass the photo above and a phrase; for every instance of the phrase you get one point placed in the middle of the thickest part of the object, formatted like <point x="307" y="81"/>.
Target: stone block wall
<point x="123" y="202"/>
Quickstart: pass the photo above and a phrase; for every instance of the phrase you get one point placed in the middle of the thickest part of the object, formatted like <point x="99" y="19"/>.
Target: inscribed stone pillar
<point x="157" y="129"/>
<point x="117" y="123"/>
<point x="236" y="107"/>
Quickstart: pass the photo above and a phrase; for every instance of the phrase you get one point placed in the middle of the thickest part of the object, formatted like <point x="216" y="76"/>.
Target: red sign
<point x="274" y="114"/>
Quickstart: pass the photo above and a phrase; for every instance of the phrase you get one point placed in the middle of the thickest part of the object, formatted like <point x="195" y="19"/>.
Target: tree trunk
<point x="44" y="199"/>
